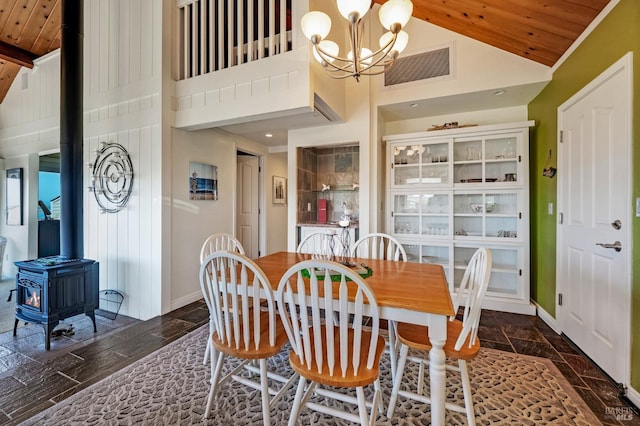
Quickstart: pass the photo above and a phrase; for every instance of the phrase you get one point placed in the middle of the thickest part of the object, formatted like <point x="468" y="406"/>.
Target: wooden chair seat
<point x="264" y="349"/>
<point x="416" y="336"/>
<point x="364" y="376"/>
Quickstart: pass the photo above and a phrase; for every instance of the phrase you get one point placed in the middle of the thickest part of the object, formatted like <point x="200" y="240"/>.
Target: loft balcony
<point x="246" y="61"/>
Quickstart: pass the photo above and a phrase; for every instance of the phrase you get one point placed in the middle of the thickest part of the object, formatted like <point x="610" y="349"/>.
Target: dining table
<point x="408" y="292"/>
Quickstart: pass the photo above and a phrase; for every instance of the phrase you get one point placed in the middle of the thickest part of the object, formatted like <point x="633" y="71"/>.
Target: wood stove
<point x="51" y="289"/>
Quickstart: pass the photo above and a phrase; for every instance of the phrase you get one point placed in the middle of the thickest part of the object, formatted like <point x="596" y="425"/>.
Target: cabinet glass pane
<point x="468" y="204"/>
<point x="435" y="173"/>
<point x="505" y="147"/>
<point x="435" y="153"/>
<point x="406" y="175"/>
<point x="413" y="252"/>
<point x="406" y="224"/>
<point x="469" y="172"/>
<point x="505" y="203"/>
<point x="503" y="227"/>
<point x="436" y="203"/>
<point x="428" y="254"/>
<point x="504" y="272"/>
<point x="467" y="151"/>
<point x="501" y="171"/>
<point x="405" y="155"/>
<point x="467" y="226"/>
<point x="435" y="254"/>
<point x="435" y="225"/>
<point x="406" y="203"/>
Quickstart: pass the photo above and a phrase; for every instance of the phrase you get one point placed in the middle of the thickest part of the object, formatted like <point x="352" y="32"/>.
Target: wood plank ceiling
<point x="539" y="30"/>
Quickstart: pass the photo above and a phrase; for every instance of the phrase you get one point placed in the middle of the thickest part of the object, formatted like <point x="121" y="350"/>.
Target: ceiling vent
<point x="435" y="63"/>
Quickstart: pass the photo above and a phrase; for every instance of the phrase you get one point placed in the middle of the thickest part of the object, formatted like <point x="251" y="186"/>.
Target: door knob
<point x="617" y="246"/>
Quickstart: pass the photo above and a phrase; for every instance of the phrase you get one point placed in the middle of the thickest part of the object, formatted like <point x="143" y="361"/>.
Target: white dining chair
<point x="331" y="355"/>
<point x="322" y="245"/>
<point x="218" y="242"/>
<point x="462" y="337"/>
<point x="246" y="325"/>
<point x="379" y="245"/>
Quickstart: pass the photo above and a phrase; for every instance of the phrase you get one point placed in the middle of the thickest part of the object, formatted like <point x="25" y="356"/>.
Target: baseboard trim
<point x="633" y="396"/>
<point x="185" y="300"/>
<point x="548" y="319"/>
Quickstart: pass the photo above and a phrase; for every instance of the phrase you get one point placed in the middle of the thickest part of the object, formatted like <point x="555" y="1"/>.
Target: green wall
<point x="618" y="34"/>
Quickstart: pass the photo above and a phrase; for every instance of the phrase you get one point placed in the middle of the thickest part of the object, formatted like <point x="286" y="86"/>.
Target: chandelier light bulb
<point x="395" y="12"/>
<point x="402" y="39"/>
<point x="365" y="56"/>
<point x="348" y="8"/>
<point x="329" y="47"/>
<point x="316" y="24"/>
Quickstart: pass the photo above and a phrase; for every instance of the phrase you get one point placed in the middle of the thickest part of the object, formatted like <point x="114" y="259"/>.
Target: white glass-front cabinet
<point x="452" y="191"/>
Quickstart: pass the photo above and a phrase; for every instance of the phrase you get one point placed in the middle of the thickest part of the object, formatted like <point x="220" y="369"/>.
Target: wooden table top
<point x="418" y="287"/>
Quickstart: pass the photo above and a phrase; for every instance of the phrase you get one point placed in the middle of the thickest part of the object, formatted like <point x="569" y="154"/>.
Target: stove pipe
<point x="71" y="130"/>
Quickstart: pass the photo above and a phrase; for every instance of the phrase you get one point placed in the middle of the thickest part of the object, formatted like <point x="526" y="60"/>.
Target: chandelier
<point x="394" y="15"/>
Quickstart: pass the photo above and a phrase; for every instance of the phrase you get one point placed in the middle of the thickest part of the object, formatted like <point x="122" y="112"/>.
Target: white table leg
<point x="437" y="375"/>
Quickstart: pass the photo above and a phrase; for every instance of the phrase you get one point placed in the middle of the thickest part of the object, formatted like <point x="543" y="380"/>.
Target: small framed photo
<point x="279" y="190"/>
<point x="203" y="181"/>
<point x="14" y="197"/>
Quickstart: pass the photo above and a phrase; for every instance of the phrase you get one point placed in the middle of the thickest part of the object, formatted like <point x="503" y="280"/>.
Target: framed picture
<point x="279" y="190"/>
<point x="203" y="181"/>
<point x="14" y="196"/>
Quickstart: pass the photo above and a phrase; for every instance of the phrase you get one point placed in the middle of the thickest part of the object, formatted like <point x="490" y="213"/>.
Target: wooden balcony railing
<point x="219" y="34"/>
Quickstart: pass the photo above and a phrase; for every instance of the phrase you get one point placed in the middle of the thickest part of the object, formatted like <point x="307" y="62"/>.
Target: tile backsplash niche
<point x="336" y="170"/>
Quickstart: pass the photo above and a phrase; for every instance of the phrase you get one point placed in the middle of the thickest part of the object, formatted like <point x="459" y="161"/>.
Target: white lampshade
<point x="328" y="46"/>
<point x="401" y="41"/>
<point x="395" y="11"/>
<point x="315" y="23"/>
<point x="346" y="7"/>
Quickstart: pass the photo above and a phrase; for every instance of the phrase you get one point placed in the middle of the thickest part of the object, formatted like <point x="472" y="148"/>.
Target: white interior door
<point x="248" y="204"/>
<point x="594" y="199"/>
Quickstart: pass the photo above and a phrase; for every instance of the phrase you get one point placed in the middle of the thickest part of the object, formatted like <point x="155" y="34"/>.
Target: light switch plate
<point x="550" y="208"/>
<point x="637" y="207"/>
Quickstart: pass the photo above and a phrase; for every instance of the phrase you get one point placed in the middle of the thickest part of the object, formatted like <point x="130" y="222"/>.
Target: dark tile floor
<point x="33" y="379"/>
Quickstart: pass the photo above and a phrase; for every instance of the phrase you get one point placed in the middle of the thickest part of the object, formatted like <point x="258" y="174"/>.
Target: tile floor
<point x="33" y="379"/>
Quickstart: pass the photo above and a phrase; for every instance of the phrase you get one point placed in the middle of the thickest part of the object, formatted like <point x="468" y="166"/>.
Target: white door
<point x="594" y="209"/>
<point x="247" y="221"/>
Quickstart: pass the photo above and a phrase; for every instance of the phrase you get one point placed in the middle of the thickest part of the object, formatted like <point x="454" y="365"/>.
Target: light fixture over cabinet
<point x="360" y="60"/>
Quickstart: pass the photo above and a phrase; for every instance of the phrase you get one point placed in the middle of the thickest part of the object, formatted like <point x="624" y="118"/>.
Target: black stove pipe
<point x="71" y="130"/>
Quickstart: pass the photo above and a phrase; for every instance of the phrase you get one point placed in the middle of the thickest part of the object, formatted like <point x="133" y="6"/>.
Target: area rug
<point x="170" y="387"/>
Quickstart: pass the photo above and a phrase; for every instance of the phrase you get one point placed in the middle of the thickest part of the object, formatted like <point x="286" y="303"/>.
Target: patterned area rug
<point x="170" y="387"/>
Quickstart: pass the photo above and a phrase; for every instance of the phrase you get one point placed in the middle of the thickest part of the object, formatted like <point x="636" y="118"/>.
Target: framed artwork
<point x="203" y="181"/>
<point x="279" y="190"/>
<point x="14" y="196"/>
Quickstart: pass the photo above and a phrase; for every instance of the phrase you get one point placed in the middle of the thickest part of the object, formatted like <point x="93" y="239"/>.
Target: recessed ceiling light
<point x="499" y="92"/>
<point x="413" y="105"/>
<point x="268" y="135"/>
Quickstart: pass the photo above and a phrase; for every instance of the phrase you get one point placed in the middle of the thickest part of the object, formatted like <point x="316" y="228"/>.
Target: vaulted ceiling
<point x="539" y="30"/>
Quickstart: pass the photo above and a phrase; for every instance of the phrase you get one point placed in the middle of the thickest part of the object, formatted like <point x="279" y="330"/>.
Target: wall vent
<point x="435" y="63"/>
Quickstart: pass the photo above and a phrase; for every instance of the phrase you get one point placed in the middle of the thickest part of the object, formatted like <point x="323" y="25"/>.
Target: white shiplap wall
<point x="123" y="104"/>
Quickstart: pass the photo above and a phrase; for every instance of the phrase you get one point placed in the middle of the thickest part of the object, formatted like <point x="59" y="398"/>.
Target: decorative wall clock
<point x="111" y="177"/>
